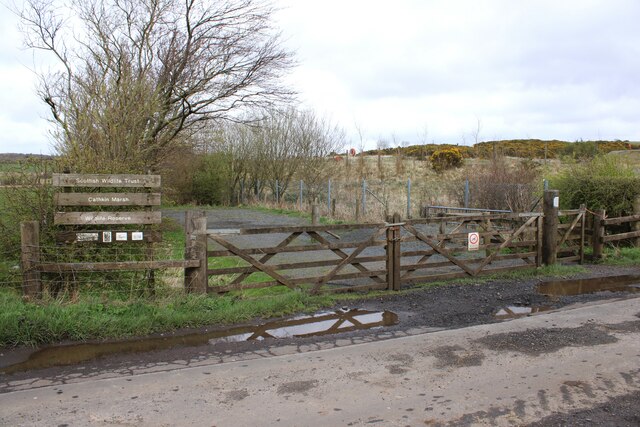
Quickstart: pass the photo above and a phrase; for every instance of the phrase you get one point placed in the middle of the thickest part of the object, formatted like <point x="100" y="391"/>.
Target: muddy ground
<point x="419" y="311"/>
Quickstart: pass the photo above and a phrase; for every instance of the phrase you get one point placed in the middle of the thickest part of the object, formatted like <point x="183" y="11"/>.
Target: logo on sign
<point x="473" y="241"/>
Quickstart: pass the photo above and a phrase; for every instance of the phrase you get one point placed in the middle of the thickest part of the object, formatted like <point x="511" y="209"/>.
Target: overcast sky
<point x="428" y="70"/>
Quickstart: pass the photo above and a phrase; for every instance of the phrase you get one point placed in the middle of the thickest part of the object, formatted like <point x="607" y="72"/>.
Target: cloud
<point x="525" y="69"/>
<point x="541" y="69"/>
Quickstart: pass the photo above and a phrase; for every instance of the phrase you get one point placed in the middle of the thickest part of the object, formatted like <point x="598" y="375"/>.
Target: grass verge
<point x="622" y="256"/>
<point x="91" y="316"/>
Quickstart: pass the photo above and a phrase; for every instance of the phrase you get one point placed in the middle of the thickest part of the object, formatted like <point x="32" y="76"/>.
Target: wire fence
<point x="374" y="200"/>
<point x="123" y="285"/>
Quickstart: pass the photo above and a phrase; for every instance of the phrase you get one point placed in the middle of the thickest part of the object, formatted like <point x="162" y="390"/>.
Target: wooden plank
<point x="301" y="281"/>
<point x="291" y="266"/>
<point x="307" y="229"/>
<point x="242" y="286"/>
<point x="349" y="259"/>
<point x="301" y="248"/>
<point x="569" y="259"/>
<point x="569" y="212"/>
<point x="107" y="218"/>
<point x="621" y="220"/>
<point x="338" y="252"/>
<point x="569" y="229"/>
<point x="106" y="180"/>
<point x="458" y="275"/>
<point x="115" y="266"/>
<point x="622" y="236"/>
<point x="117" y="236"/>
<point x="107" y="199"/>
<point x="260" y="266"/>
<point x="267" y="257"/>
<point x="504" y="244"/>
<point x="540" y="224"/>
<point x="442" y="251"/>
<point x="462" y="237"/>
<point x="566" y="225"/>
<point x="492" y="217"/>
<point x="356" y="288"/>
<point x="423" y="266"/>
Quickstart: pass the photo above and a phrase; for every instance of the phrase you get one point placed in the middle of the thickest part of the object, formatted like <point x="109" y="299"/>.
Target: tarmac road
<point x="509" y="373"/>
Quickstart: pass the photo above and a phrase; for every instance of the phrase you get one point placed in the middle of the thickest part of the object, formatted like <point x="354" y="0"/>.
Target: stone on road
<point x="509" y="373"/>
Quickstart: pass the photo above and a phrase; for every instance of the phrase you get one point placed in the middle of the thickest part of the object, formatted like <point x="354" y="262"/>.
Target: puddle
<point x="515" y="311"/>
<point x="626" y="283"/>
<point x="305" y="326"/>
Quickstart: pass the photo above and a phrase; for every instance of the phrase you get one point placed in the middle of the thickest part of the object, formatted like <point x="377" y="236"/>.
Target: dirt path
<point x="559" y="368"/>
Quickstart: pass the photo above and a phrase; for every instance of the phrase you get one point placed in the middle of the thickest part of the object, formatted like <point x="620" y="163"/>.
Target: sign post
<point x="473" y="241"/>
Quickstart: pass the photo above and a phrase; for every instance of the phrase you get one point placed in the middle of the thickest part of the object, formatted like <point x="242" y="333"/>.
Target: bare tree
<point x="138" y="78"/>
<point x="381" y="145"/>
<point x="317" y="138"/>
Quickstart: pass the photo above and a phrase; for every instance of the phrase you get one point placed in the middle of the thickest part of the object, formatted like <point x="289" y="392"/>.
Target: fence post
<point x="277" y="192"/>
<point x="315" y="214"/>
<point x="329" y="196"/>
<point x="598" y="233"/>
<point x="466" y="193"/>
<point x="636" y="225"/>
<point x="540" y="227"/>
<point x="195" y="278"/>
<point x="551" y="203"/>
<point x="333" y="207"/>
<point x="396" y="252"/>
<point x="583" y="226"/>
<point x="393" y="253"/>
<point x="301" y="184"/>
<point x="364" y="197"/>
<point x="409" y="198"/>
<point x="30" y="238"/>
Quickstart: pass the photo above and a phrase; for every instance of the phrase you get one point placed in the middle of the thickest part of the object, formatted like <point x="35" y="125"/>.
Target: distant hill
<point x="17" y="157"/>
<point x="524" y="148"/>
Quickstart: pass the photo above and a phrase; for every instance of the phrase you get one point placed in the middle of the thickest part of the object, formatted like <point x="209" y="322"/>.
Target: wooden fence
<point x="604" y="231"/>
<point x="350" y="257"/>
<point x="362" y="257"/>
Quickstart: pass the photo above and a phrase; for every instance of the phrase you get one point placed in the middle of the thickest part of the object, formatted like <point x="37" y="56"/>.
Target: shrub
<point x="212" y="180"/>
<point x="500" y="185"/>
<point x="30" y="200"/>
<point x="602" y="183"/>
<point x="445" y="159"/>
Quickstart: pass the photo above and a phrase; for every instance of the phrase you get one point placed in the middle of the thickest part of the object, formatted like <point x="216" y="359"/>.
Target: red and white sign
<point x="473" y="241"/>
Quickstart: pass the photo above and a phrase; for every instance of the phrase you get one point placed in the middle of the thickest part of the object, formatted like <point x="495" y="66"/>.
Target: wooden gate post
<point x="393" y="253"/>
<point x="390" y="258"/>
<point x="30" y="238"/>
<point x="583" y="224"/>
<point x="315" y="214"/>
<point x="636" y="225"/>
<point x="195" y="278"/>
<point x="550" y="207"/>
<point x="598" y="233"/>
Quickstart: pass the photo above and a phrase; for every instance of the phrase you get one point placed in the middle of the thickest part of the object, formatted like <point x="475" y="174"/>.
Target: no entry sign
<point x="473" y="241"/>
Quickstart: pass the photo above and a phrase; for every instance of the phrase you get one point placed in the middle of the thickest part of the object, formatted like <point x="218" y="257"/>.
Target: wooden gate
<point x="571" y="235"/>
<point x="352" y="257"/>
<point x="314" y="258"/>
<point x="438" y="248"/>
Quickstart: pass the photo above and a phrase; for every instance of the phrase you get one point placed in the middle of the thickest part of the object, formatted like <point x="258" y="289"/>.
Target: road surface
<point x="509" y="373"/>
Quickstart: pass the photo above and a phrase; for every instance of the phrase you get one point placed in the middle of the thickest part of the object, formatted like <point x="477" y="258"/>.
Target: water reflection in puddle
<point x="303" y="326"/>
<point x="626" y="283"/>
<point x="515" y="311"/>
